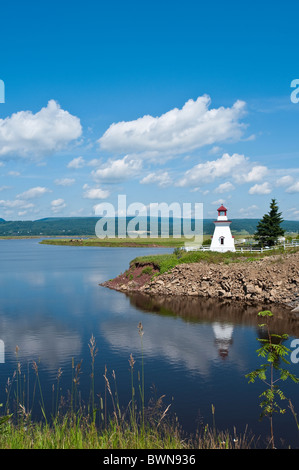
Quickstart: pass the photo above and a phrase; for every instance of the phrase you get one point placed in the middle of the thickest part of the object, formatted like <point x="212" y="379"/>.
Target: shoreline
<point x="270" y="280"/>
<point x="118" y="242"/>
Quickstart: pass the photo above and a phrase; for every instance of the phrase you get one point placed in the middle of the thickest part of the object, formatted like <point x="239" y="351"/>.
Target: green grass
<point x="117" y="242"/>
<point x="120" y="242"/>
<point x="79" y="433"/>
<point x="100" y="423"/>
<point x="166" y="262"/>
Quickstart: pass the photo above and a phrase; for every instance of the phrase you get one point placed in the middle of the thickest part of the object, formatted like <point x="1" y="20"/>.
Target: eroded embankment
<point x="273" y="279"/>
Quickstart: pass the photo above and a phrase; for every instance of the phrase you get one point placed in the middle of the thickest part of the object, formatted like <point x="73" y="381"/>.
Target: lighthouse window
<point x="221" y="240"/>
<point x="221" y="213"/>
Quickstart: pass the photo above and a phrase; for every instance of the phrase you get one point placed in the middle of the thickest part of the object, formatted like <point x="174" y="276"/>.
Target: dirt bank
<point x="273" y="279"/>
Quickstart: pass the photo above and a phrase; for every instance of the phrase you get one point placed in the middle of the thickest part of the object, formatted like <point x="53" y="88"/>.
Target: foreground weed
<point x="270" y="373"/>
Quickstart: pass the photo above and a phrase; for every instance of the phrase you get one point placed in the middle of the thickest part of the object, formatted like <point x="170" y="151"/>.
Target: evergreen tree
<point x="269" y="229"/>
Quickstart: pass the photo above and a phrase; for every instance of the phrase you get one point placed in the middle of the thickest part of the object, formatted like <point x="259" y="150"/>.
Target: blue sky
<point x="160" y="101"/>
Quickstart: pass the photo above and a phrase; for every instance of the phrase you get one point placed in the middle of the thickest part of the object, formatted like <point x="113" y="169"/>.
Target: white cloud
<point x="26" y="134"/>
<point x="34" y="192"/>
<point x="218" y="202"/>
<point x="95" y="193"/>
<point x="118" y="170"/>
<point x="64" y="181"/>
<point x="294" y="213"/>
<point x="263" y="188"/>
<point x="177" y="131"/>
<point x="224" y="187"/>
<point x="285" y="180"/>
<point x="294" y="188"/>
<point x="256" y="173"/>
<point x="162" y="179"/>
<point x="76" y="163"/>
<point x="210" y="170"/>
<point x="21" y="213"/>
<point x="16" y="204"/>
<point x="57" y="205"/>
<point x="249" y="211"/>
<point x="216" y="150"/>
<point x="94" y="162"/>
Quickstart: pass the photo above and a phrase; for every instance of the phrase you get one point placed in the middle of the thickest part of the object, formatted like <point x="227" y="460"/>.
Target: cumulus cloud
<point x="16" y="204"/>
<point x="218" y="202"/>
<point x="236" y="167"/>
<point x="95" y="193"/>
<point x="248" y="211"/>
<point x="32" y="193"/>
<point x="64" y="181"/>
<point x="57" y="205"/>
<point x="76" y="163"/>
<point x="256" y="173"/>
<point x="177" y="131"/>
<point x="284" y="180"/>
<point x="224" y="187"/>
<point x="210" y="170"/>
<point x="162" y="179"/>
<point x="263" y="188"/>
<point x="294" y="188"/>
<point x="26" y="134"/>
<point x="118" y="170"/>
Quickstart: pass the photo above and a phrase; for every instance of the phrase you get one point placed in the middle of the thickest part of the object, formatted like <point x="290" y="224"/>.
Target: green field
<point x="118" y="242"/>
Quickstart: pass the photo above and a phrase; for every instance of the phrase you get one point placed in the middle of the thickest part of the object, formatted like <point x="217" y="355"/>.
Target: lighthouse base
<point x="223" y="249"/>
<point x="222" y="240"/>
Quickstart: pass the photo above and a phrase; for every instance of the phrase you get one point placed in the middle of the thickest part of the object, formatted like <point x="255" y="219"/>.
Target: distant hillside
<point x="84" y="226"/>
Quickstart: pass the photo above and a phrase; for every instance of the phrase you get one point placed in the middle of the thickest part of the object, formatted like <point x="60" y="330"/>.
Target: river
<point x="196" y="351"/>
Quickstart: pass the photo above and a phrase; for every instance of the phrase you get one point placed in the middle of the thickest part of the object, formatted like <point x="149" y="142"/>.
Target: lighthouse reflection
<point x="223" y="337"/>
<point x="193" y="333"/>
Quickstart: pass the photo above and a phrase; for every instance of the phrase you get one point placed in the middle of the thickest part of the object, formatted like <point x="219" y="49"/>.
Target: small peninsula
<point x="271" y="277"/>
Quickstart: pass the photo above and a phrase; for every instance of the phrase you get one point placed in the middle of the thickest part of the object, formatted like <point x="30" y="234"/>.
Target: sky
<point x="163" y="101"/>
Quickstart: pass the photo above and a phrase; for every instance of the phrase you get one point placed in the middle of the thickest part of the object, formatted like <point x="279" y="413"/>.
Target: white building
<point x="222" y="239"/>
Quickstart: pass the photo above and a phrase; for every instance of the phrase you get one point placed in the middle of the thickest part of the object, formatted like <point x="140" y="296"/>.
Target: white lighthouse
<point x="222" y="239"/>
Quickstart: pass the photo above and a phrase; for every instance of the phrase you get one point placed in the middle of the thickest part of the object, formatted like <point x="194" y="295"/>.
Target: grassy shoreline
<point x="165" y="262"/>
<point x="99" y="422"/>
<point x="80" y="433"/>
<point x="118" y="242"/>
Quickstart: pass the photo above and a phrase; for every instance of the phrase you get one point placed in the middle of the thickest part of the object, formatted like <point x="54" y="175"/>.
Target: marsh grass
<point x="101" y="423"/>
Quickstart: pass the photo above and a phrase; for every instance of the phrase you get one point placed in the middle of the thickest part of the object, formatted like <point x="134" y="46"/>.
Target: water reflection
<point x="37" y="339"/>
<point x="194" y="333"/>
<point x="198" y="310"/>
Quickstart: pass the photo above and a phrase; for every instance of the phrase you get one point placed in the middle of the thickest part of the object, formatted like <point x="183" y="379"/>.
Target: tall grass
<point x="101" y="422"/>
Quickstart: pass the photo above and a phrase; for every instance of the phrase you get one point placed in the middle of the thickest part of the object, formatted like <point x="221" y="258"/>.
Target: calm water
<point x="196" y="352"/>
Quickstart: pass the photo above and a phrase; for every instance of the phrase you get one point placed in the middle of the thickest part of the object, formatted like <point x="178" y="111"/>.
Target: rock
<point x="263" y="280"/>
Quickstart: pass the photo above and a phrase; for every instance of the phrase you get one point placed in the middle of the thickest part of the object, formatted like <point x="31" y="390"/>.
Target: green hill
<point x="85" y="226"/>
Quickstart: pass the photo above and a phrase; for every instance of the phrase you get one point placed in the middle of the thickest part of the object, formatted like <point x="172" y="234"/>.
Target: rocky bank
<point x="272" y="279"/>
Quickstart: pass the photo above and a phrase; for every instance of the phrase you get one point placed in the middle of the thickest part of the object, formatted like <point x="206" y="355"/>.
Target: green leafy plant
<point x="271" y="372"/>
<point x="147" y="270"/>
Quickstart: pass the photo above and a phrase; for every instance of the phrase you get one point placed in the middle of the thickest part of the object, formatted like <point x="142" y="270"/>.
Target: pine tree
<point x="269" y="229"/>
